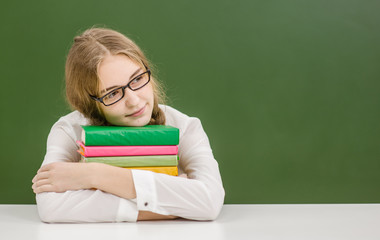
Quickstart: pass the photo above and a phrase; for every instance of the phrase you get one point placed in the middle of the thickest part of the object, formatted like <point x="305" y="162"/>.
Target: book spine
<point x="130" y="137"/>
<point x="135" y="161"/>
<point x="173" y="171"/>
<point x="110" y="151"/>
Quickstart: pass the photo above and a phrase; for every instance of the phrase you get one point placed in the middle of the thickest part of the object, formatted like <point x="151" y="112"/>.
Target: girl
<point x="109" y="82"/>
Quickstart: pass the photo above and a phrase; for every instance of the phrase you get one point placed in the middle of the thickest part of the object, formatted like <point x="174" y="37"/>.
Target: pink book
<point x="105" y="151"/>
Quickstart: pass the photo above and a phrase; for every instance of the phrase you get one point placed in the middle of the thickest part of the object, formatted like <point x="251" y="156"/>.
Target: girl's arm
<point x="201" y="195"/>
<point x="65" y="176"/>
<point x="86" y="204"/>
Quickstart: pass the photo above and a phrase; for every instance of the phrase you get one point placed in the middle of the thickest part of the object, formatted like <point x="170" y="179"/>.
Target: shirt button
<point x="146" y="204"/>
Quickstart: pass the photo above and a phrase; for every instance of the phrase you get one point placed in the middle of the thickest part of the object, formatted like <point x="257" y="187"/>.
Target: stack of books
<point x="153" y="147"/>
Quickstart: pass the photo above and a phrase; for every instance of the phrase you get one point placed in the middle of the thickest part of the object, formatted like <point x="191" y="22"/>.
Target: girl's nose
<point x="131" y="97"/>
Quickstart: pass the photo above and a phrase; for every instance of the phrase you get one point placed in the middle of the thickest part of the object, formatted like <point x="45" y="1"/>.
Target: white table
<point x="308" y="221"/>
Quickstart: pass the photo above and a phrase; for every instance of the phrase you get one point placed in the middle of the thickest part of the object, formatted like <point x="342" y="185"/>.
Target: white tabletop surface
<point x="299" y="221"/>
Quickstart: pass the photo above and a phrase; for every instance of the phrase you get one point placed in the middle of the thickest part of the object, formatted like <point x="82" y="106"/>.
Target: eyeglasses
<point x="117" y="94"/>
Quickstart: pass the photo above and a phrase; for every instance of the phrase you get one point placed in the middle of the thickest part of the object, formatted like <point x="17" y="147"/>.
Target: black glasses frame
<point x="100" y="99"/>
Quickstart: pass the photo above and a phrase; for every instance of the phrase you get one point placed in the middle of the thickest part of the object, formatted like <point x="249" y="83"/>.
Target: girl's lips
<point x="138" y="113"/>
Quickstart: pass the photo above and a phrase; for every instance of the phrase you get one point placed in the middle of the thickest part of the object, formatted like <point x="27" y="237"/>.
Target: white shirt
<point x="198" y="197"/>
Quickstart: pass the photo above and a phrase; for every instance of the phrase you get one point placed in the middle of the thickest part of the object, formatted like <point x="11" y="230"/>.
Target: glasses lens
<point x="139" y="81"/>
<point x="113" y="96"/>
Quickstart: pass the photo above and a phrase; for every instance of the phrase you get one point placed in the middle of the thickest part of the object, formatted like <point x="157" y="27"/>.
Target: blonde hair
<point x="81" y="72"/>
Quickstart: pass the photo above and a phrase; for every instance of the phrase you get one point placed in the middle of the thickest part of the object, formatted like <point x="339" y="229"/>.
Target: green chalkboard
<point x="288" y="91"/>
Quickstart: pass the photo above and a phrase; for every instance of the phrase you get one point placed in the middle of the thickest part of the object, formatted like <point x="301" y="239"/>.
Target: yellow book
<point x="173" y="170"/>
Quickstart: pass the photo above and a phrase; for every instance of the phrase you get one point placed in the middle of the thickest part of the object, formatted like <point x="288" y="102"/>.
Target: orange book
<point x="173" y="170"/>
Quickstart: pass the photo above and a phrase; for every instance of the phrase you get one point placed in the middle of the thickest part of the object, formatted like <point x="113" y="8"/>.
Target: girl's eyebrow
<point x="130" y="78"/>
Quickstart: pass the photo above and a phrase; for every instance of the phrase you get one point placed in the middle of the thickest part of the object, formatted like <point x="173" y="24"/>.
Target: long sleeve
<point x="82" y="205"/>
<point x="201" y="196"/>
<point x="198" y="197"/>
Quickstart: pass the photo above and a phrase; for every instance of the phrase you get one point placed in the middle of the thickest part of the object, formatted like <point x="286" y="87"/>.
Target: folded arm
<point x="198" y="197"/>
<point x="68" y="191"/>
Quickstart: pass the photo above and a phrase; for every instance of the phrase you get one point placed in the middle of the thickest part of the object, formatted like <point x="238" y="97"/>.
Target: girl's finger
<point x="40" y="183"/>
<point x="43" y="188"/>
<point x="46" y="167"/>
<point x="41" y="175"/>
<point x="43" y="169"/>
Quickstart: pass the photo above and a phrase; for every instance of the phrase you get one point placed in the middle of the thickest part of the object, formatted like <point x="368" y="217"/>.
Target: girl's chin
<point x="137" y="122"/>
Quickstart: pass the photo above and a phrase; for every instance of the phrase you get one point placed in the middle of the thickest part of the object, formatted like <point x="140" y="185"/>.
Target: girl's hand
<point x="62" y="176"/>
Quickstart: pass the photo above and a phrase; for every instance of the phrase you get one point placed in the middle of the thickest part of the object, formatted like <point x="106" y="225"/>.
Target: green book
<point x="136" y="161"/>
<point x="149" y="135"/>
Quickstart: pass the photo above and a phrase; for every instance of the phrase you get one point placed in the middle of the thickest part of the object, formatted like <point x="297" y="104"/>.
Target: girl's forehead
<point x="117" y="63"/>
<point x="116" y="70"/>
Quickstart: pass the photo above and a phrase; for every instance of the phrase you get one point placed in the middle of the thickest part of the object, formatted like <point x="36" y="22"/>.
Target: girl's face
<point x="135" y="108"/>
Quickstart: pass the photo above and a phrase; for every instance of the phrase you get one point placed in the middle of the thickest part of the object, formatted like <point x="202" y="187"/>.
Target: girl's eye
<point x="114" y="94"/>
<point x="138" y="79"/>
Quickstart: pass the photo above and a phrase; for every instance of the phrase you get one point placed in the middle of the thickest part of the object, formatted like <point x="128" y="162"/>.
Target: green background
<point x="287" y="91"/>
